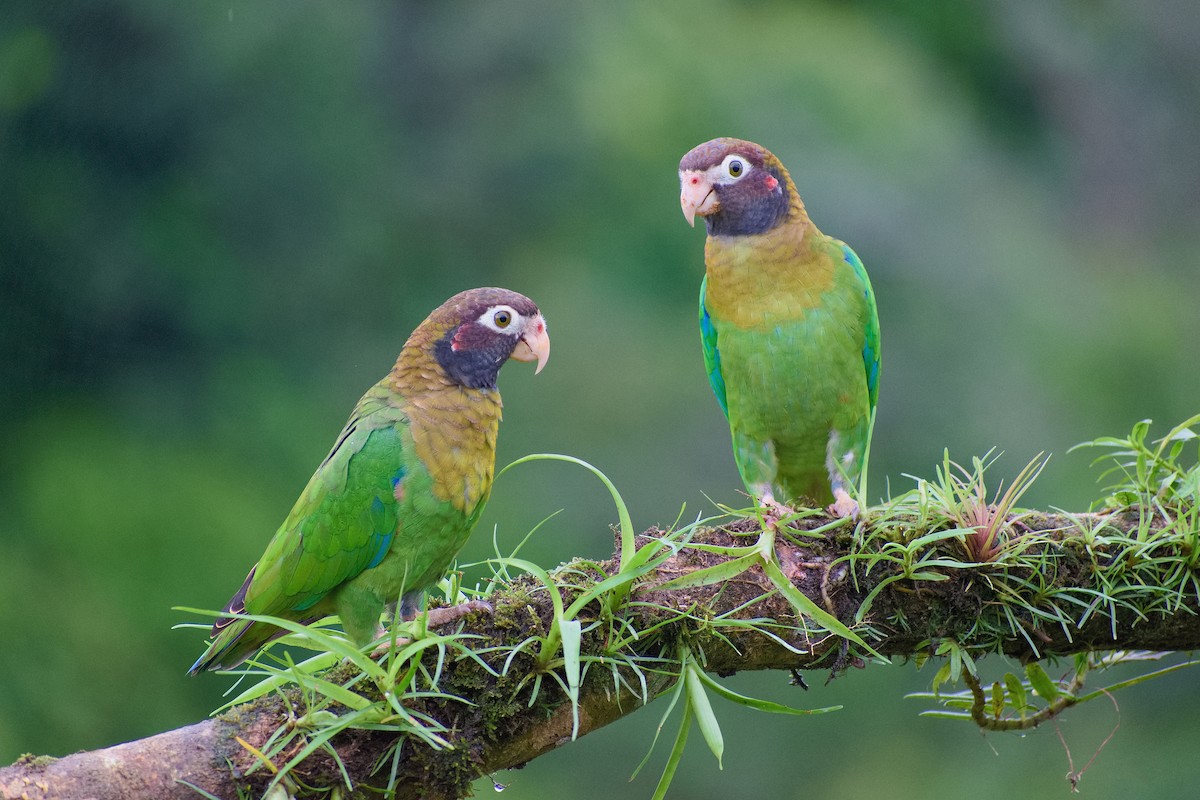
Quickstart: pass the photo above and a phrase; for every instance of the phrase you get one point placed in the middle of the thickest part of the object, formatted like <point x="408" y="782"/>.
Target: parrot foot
<point x="385" y="646"/>
<point x="434" y="618"/>
<point x="843" y="505"/>
<point x="437" y="617"/>
<point x="773" y="511"/>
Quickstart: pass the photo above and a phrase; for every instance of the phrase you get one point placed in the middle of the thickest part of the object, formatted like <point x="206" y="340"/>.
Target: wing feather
<point x="712" y="355"/>
<point x="870" y="350"/>
<point x="344" y="520"/>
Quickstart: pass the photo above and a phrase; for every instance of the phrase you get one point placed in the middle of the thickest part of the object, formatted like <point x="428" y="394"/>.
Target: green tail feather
<point x="234" y="644"/>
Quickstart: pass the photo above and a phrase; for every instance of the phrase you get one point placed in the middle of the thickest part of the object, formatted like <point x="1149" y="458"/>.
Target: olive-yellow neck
<point x="454" y="428"/>
<point x="754" y="281"/>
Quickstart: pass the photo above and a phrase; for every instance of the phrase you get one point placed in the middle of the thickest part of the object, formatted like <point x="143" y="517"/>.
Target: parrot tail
<point x="224" y="652"/>
<point x="228" y="649"/>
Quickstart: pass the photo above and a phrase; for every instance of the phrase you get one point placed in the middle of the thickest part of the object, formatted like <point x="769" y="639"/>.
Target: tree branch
<point x="1050" y="595"/>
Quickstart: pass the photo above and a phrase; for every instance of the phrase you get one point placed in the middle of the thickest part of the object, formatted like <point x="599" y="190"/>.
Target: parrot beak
<point x="696" y="195"/>
<point x="534" y="344"/>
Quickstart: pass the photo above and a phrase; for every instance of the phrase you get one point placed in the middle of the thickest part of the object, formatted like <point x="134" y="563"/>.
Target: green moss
<point x="504" y="617"/>
<point x="34" y="762"/>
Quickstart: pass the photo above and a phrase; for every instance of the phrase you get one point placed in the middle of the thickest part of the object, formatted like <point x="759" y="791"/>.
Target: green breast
<point x="790" y="318"/>
<point x="430" y="533"/>
<point x="451" y="440"/>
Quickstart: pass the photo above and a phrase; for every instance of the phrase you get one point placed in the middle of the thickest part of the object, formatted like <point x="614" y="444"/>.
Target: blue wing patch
<point x="381" y="532"/>
<point x="712" y="356"/>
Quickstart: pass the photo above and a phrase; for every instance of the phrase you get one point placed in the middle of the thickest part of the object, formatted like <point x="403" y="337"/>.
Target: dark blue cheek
<point x="477" y="366"/>
<point x="745" y="214"/>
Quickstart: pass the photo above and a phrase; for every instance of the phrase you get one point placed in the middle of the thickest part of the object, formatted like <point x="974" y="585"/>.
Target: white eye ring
<point x="735" y="167"/>
<point x="501" y="319"/>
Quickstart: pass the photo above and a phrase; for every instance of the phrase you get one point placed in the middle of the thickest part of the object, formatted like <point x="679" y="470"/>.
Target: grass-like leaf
<point x="676" y="693"/>
<point x="1041" y="683"/>
<point x="705" y="718"/>
<point x="571" y="636"/>
<point x="626" y="523"/>
<point x="668" y="774"/>
<point x="806" y="607"/>
<point x="756" y="703"/>
<point x="714" y="574"/>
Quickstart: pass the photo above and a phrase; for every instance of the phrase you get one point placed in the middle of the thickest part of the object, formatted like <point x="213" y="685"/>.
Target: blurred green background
<point x="219" y="222"/>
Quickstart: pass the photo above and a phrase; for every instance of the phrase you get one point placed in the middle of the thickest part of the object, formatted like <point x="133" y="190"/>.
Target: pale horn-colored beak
<point x="696" y="196"/>
<point x="534" y="344"/>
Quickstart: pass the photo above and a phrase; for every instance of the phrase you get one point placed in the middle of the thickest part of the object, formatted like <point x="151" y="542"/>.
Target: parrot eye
<point x="735" y="166"/>
<point x="499" y="318"/>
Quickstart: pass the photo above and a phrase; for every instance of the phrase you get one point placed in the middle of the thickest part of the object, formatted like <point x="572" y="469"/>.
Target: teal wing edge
<point x="870" y="350"/>
<point x="712" y="355"/>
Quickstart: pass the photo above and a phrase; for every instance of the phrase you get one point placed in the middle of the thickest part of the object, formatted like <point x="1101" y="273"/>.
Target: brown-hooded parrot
<point x="789" y="328"/>
<point x="387" y="510"/>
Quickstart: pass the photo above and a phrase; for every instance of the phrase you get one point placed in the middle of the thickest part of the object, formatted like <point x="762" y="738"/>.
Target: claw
<point x="773" y="511"/>
<point x="434" y="618"/>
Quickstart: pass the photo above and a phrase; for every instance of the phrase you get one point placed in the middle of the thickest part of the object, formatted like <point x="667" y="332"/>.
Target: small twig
<point x="979" y="714"/>
<point x="1074" y="777"/>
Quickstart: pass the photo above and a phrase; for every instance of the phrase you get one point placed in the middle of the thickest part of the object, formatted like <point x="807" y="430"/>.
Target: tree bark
<point x="498" y="731"/>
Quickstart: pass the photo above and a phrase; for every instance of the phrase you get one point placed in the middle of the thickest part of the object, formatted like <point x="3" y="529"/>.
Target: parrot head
<point x="473" y="333"/>
<point x="737" y="186"/>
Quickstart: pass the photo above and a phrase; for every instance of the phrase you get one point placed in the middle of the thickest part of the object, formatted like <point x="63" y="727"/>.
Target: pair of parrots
<point x="791" y="345"/>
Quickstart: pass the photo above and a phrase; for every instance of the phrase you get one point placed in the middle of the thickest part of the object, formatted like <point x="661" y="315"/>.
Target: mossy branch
<point x="1062" y="584"/>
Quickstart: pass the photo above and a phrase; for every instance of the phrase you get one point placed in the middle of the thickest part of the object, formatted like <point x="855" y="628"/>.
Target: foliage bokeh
<point x="219" y="221"/>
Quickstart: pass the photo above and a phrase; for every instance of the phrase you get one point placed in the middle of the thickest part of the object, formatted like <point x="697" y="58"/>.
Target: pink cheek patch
<point x="772" y="183"/>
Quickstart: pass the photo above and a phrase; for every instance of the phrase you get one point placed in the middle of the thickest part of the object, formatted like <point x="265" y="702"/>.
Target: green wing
<point x="712" y="356"/>
<point x="345" y="518"/>
<point x="341" y="525"/>
<point x="870" y="351"/>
